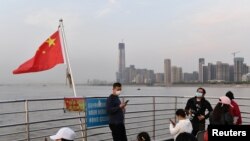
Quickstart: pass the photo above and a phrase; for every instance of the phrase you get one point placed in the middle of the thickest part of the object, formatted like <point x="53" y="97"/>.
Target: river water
<point x="32" y="91"/>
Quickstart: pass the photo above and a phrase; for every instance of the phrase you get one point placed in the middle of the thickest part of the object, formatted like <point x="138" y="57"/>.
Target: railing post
<point x="175" y="107"/>
<point x="84" y="133"/>
<point x="27" y="120"/>
<point x="154" y="117"/>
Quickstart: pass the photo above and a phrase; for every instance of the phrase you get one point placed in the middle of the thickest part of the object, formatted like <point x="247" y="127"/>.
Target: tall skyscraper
<point x="231" y="73"/>
<point x="238" y="68"/>
<point x="121" y="63"/>
<point x="176" y="74"/>
<point x="201" y="63"/>
<point x="211" y="71"/>
<point x="219" y="71"/>
<point x="167" y="72"/>
<point x="205" y="74"/>
<point x="222" y="71"/>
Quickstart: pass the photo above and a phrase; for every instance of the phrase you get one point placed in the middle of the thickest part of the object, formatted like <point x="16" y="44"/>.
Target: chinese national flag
<point x="48" y="55"/>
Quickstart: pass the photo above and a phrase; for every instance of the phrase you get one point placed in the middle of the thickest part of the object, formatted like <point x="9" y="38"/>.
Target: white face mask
<point x="198" y="94"/>
<point x="118" y="92"/>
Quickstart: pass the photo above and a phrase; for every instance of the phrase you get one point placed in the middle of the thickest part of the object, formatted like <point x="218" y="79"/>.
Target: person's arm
<point x="209" y="108"/>
<point x="174" y="129"/>
<point x="111" y="108"/>
<point x="211" y="118"/>
<point x="229" y="119"/>
<point x="236" y="112"/>
<point x="188" y="106"/>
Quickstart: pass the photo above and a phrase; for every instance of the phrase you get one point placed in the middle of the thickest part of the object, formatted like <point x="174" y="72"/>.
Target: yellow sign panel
<point x="74" y="104"/>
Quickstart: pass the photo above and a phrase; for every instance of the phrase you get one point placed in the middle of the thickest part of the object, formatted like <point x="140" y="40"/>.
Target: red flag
<point x="48" y="55"/>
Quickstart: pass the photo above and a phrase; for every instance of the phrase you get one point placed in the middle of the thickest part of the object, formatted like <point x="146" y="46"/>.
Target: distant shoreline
<point x="210" y="85"/>
<point x="135" y="85"/>
<point x="176" y="85"/>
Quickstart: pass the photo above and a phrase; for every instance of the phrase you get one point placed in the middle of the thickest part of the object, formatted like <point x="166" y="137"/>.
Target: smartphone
<point x="126" y="102"/>
<point x="172" y="122"/>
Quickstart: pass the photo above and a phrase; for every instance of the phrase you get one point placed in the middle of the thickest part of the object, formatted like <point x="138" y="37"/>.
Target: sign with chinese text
<point x="96" y="112"/>
<point x="74" y="104"/>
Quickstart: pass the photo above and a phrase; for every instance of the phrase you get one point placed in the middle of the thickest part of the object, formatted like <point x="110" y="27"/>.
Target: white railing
<point x="37" y="119"/>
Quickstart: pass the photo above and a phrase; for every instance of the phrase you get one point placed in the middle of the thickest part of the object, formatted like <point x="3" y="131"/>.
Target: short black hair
<point x="230" y="95"/>
<point x="66" y="140"/>
<point x="184" y="136"/>
<point x="200" y="88"/>
<point x="117" y="84"/>
<point x="143" y="136"/>
<point x="181" y="112"/>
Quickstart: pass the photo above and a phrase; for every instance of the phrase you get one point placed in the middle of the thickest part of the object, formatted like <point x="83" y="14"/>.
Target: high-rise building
<point x="245" y="69"/>
<point x="132" y="74"/>
<point x="188" y="77"/>
<point x="196" y="76"/>
<point x="226" y="72"/>
<point x="205" y="74"/>
<point x="211" y="71"/>
<point x="159" y="78"/>
<point x="121" y="63"/>
<point x="231" y="73"/>
<point x="238" y="68"/>
<point x="176" y="74"/>
<point x="201" y="63"/>
<point x="219" y="70"/>
<point x="222" y="71"/>
<point x="167" y="72"/>
<point x="180" y="74"/>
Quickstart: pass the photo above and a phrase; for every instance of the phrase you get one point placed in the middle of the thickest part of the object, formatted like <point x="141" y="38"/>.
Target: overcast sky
<point x="182" y="30"/>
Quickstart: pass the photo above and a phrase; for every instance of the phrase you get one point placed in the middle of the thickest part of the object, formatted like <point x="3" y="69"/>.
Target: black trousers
<point x="118" y="132"/>
<point x="197" y="126"/>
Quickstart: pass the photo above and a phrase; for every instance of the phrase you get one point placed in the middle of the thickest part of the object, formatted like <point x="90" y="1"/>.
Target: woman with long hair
<point x="221" y="114"/>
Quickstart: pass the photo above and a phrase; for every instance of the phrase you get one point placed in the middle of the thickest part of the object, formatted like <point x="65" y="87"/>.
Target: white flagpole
<point x="61" y="28"/>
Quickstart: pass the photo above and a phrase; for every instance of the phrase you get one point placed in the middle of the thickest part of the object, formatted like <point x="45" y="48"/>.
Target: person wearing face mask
<point x="183" y="124"/>
<point x="115" y="110"/>
<point x="196" y="108"/>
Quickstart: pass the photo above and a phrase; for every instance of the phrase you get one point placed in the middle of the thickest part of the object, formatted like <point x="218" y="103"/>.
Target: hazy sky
<point x="182" y="30"/>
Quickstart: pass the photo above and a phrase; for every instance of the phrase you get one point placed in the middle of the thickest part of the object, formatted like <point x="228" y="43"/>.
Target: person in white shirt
<point x="183" y="124"/>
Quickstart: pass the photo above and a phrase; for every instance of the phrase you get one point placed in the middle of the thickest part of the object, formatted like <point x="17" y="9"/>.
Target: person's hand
<point x="189" y="112"/>
<point x="122" y="105"/>
<point x="201" y="117"/>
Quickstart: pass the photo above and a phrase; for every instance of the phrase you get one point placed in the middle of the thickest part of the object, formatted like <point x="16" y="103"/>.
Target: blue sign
<point x="96" y="112"/>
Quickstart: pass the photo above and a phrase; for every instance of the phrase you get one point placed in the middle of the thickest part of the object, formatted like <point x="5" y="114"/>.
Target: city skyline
<point x="152" y="30"/>
<point x="207" y="72"/>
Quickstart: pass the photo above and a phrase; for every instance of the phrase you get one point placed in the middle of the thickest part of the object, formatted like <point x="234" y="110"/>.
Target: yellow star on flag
<point x="51" y="41"/>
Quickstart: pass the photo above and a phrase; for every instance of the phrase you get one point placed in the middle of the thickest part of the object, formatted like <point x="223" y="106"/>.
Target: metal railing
<point x="37" y="119"/>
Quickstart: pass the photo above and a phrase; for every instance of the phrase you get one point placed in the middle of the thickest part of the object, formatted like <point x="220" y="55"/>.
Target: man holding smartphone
<point x="115" y="110"/>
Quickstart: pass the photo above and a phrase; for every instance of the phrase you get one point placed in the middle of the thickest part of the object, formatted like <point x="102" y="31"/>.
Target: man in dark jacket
<point x="196" y="108"/>
<point x="115" y="110"/>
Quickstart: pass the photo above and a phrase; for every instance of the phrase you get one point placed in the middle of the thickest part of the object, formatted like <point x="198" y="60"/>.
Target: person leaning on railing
<point x="196" y="108"/>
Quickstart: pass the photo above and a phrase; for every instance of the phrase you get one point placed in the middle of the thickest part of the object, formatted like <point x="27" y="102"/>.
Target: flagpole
<point x="67" y="56"/>
<point x="70" y="73"/>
